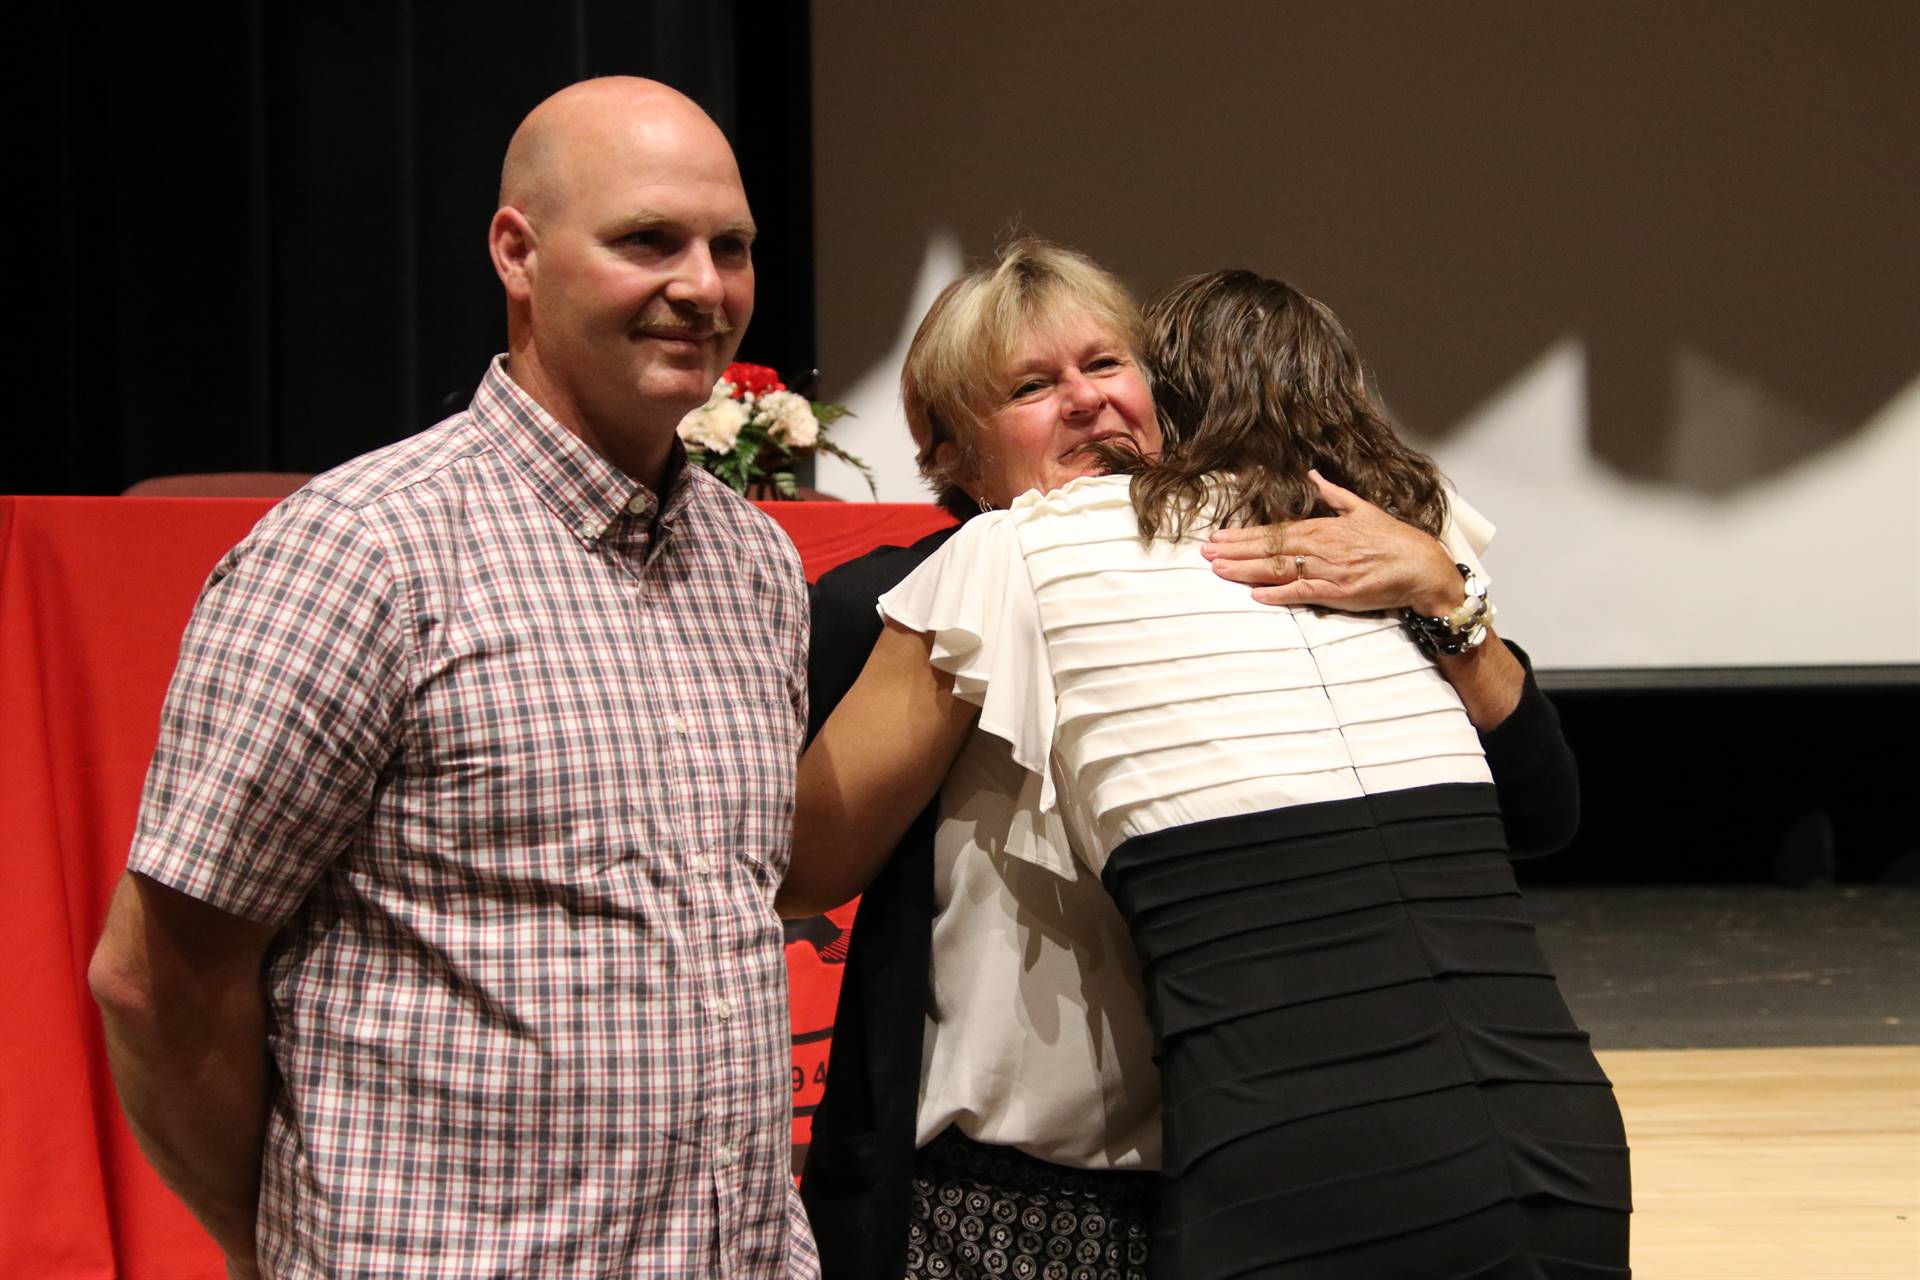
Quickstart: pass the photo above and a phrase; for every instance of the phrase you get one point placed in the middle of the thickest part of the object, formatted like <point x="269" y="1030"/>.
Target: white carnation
<point x="715" y="425"/>
<point x="791" y="419"/>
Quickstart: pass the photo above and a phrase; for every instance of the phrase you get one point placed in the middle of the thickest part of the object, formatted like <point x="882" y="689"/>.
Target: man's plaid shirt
<point x="512" y="764"/>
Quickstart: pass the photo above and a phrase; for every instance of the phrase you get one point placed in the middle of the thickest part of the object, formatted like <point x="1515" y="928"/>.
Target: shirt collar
<point x="585" y="490"/>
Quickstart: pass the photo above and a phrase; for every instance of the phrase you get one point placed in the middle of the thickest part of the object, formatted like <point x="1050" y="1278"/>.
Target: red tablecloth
<point x="94" y="594"/>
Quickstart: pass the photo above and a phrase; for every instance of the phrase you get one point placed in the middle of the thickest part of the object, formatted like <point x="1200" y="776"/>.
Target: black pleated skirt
<point x="1368" y="1071"/>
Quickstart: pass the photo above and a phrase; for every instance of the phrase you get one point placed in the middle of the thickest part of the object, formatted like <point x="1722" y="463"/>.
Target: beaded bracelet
<point x="1456" y="632"/>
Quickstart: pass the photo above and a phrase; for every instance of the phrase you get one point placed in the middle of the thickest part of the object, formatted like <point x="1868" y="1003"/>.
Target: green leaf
<point x="827" y="446"/>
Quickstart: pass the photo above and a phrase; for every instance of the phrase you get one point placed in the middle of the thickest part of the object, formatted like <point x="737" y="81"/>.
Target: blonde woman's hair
<point x="951" y="381"/>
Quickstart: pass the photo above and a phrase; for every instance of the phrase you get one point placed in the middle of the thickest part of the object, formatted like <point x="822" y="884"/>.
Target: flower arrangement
<point x="752" y="430"/>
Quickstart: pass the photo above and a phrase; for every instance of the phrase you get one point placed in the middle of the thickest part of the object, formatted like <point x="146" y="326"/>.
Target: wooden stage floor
<point x="1750" y="1164"/>
<point x="1765" y="1048"/>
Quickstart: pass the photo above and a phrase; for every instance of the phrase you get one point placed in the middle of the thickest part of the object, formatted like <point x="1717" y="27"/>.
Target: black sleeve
<point x="1534" y="772"/>
<point x="845" y="627"/>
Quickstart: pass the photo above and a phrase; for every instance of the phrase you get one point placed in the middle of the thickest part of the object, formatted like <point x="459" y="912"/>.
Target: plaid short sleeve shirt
<point x="510" y="761"/>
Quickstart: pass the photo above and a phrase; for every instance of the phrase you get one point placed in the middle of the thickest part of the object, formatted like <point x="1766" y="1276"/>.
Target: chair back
<point x="219" y="484"/>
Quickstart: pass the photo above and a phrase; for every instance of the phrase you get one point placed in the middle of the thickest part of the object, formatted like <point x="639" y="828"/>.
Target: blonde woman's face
<point x="1066" y="387"/>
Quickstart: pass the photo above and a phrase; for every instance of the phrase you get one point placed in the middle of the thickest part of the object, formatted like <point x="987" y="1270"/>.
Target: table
<point x="94" y="596"/>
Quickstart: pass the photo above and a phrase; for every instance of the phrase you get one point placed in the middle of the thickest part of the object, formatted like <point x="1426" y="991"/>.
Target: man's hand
<point x="1357" y="560"/>
<point x="178" y="984"/>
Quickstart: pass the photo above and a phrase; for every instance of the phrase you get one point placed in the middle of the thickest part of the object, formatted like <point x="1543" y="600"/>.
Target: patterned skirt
<point x="980" y="1210"/>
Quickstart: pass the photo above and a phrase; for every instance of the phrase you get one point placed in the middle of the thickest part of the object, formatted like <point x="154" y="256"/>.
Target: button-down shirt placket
<point x="645" y="548"/>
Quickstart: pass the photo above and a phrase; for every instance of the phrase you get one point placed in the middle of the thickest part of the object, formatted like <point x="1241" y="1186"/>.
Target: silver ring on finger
<point x="1299" y="566"/>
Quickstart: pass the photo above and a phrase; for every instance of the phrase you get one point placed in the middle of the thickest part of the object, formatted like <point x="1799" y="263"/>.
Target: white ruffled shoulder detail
<point x="1086" y="493"/>
<point x="974" y="598"/>
<point x="1466" y="534"/>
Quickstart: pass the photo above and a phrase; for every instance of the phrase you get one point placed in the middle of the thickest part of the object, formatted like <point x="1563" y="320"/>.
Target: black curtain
<point x="256" y="231"/>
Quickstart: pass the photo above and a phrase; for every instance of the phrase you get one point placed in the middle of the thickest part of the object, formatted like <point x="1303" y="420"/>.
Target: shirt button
<point x="722" y="1008"/>
<point x="636" y="504"/>
<point x="723" y="1154"/>
<point x="589" y="531"/>
<point x="677" y="722"/>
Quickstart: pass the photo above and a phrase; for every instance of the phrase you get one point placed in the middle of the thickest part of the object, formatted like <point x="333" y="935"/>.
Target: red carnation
<point x="757" y="379"/>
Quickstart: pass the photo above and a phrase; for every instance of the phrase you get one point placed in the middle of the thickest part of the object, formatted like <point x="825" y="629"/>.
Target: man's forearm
<point x="178" y="984"/>
<point x="195" y="1094"/>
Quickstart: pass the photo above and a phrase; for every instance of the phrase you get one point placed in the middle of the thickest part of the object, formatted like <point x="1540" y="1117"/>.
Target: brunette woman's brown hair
<point x="1255" y="383"/>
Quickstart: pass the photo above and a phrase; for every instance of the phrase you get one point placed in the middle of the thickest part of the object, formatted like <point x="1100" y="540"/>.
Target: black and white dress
<point x="1367" y="1067"/>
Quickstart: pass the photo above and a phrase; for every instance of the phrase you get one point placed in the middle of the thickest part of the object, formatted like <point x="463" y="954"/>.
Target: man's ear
<point x="512" y="245"/>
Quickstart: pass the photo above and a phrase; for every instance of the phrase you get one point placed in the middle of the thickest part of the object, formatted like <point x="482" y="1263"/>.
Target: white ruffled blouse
<point x="1141" y="691"/>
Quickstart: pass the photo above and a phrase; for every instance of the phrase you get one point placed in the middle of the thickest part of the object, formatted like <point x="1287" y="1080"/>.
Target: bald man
<point x="447" y="946"/>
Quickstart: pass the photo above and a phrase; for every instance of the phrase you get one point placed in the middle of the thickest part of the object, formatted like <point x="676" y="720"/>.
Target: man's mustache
<point x="697" y="324"/>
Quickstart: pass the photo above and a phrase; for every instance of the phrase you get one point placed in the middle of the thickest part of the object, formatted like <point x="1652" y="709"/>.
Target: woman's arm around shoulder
<point x="872" y="768"/>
